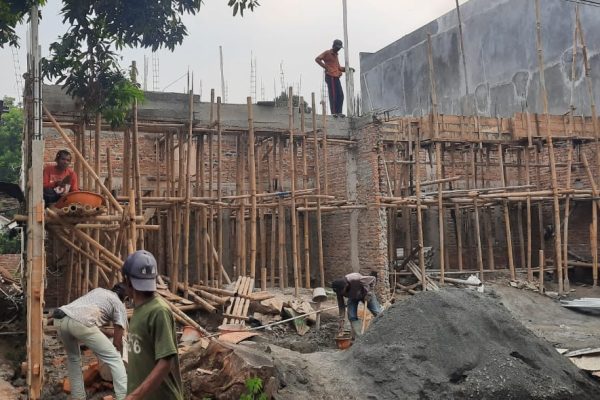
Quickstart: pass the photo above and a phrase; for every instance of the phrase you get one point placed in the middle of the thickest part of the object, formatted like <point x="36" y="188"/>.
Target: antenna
<point x="282" y="77"/>
<point x="253" y="76"/>
<point x="155" y="72"/>
<point x="18" y="75"/>
<point x="262" y="90"/>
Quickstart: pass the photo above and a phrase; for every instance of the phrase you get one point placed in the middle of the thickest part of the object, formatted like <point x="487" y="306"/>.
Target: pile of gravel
<point x="457" y="343"/>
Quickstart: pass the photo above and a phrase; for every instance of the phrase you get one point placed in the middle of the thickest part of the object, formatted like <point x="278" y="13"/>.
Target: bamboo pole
<point x="273" y="187"/>
<point x="157" y="161"/>
<point x="242" y="208"/>
<point x="198" y="231"/>
<point x="594" y="224"/>
<point x="252" y="178"/>
<point x="188" y="188"/>
<point x="419" y="211"/>
<point x="556" y="205"/>
<point x="132" y="224"/>
<point x="136" y="166"/>
<point x="542" y="265"/>
<point x="529" y="245"/>
<point x="318" y="186"/>
<point x="594" y="245"/>
<point x="325" y="152"/>
<point x="211" y="220"/>
<point x="438" y="156"/>
<point x="589" y="84"/>
<point x="566" y="283"/>
<point x="305" y="229"/>
<point x="509" y="244"/>
<point x="97" y="188"/>
<point x="81" y="159"/>
<point x="203" y="218"/>
<point x="293" y="191"/>
<point x="219" y="189"/>
<point x="126" y="162"/>
<point x="283" y="278"/>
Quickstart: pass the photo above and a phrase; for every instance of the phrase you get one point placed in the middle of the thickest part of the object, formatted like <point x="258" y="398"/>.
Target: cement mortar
<point x="460" y="344"/>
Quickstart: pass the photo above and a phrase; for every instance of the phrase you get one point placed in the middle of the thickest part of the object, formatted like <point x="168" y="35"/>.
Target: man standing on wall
<point x="59" y="179"/>
<point x="153" y="362"/>
<point x="328" y="60"/>
<point x="356" y="288"/>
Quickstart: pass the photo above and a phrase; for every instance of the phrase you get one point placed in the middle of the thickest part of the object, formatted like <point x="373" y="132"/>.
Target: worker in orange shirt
<point x="328" y="60"/>
<point x="59" y="179"/>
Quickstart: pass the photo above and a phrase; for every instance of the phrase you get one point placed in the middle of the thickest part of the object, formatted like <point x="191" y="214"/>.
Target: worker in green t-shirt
<point x="153" y="363"/>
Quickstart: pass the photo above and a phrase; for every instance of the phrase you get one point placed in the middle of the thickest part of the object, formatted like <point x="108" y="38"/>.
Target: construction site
<point x="468" y="187"/>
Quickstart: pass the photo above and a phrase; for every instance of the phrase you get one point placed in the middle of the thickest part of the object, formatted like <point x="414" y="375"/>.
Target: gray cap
<point x="338" y="42"/>
<point x="141" y="269"/>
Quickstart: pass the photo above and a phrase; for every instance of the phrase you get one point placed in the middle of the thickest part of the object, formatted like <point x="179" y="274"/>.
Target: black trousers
<point x="336" y="94"/>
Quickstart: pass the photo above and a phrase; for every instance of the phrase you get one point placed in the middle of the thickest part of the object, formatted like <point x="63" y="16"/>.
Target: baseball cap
<point x="140" y="268"/>
<point x="338" y="42"/>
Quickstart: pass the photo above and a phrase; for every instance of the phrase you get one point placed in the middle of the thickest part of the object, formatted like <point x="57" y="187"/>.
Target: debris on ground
<point x="461" y="344"/>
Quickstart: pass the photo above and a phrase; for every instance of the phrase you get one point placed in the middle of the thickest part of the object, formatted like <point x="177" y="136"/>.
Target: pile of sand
<point x="460" y="344"/>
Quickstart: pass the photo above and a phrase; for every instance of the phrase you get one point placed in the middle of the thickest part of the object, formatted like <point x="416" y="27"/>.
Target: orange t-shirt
<point x="53" y="178"/>
<point x="332" y="63"/>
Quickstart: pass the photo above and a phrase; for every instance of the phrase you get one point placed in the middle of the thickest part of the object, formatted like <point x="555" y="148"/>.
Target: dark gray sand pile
<point x="461" y="344"/>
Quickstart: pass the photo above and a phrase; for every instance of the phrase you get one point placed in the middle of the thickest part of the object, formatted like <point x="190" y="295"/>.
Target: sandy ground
<point x="563" y="327"/>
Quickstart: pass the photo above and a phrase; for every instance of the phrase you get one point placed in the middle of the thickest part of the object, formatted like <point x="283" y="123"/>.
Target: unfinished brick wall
<point x="335" y="225"/>
<point x="372" y="221"/>
<point x="10" y="263"/>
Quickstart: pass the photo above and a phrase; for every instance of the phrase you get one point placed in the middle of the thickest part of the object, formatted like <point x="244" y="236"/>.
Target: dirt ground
<point x="311" y="366"/>
<point x="563" y="327"/>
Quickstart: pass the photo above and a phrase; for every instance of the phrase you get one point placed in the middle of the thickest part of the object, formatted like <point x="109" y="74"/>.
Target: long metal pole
<point x="349" y="73"/>
<point x="222" y="76"/>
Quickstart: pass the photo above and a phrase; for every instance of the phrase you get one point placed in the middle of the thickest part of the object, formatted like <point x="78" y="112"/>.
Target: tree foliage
<point x="11" y="132"/>
<point x="85" y="59"/>
<point x="12" y="12"/>
<point x="10" y="244"/>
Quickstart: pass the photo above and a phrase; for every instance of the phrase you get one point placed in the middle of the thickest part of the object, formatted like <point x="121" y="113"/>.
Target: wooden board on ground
<point x="237" y="311"/>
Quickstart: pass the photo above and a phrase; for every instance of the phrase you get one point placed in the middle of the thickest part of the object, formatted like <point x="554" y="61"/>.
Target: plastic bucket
<point x="319" y="295"/>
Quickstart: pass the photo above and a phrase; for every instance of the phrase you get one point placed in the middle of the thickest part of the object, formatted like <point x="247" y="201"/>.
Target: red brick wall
<point x="10" y="262"/>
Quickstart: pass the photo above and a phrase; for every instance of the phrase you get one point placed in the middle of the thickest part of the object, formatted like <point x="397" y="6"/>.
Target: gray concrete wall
<point x="173" y="108"/>
<point x="502" y="68"/>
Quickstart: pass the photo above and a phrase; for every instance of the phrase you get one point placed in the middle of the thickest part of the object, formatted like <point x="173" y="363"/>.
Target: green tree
<point x="9" y="244"/>
<point x="85" y="59"/>
<point x="12" y="13"/>
<point x="11" y="131"/>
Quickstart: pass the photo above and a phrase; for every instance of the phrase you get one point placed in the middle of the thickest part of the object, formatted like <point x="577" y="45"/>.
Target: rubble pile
<point x="461" y="344"/>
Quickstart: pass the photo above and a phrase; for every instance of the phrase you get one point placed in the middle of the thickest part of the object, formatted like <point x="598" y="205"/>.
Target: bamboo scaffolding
<point x="252" y="179"/>
<point x="543" y="94"/>
<point x="318" y="186"/>
<point x="293" y="193"/>
<point x="438" y="156"/>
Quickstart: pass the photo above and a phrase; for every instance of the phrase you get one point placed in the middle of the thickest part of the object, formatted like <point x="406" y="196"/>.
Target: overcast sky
<point x="288" y="33"/>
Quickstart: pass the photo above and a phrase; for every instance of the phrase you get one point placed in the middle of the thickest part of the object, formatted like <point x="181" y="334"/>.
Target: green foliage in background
<point x="8" y="244"/>
<point x="12" y="13"/>
<point x="11" y="131"/>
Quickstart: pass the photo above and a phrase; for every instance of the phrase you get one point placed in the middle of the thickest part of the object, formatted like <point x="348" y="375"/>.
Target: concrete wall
<point x="502" y="68"/>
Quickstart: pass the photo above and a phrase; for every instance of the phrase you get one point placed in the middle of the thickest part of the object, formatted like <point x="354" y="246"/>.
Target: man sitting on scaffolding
<point x="59" y="179"/>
